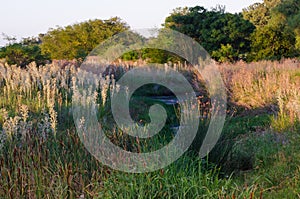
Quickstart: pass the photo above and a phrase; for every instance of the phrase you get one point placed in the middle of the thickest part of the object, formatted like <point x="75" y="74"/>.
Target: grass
<point x="63" y="170"/>
<point x="257" y="156"/>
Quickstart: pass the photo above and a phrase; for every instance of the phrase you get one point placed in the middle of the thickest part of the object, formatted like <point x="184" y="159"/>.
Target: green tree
<point x="24" y="52"/>
<point x="225" y="54"/>
<point x="289" y="11"/>
<point x="78" y="40"/>
<point x="272" y="43"/>
<point x="152" y="52"/>
<point x="260" y="13"/>
<point x="275" y="37"/>
<point x="213" y="29"/>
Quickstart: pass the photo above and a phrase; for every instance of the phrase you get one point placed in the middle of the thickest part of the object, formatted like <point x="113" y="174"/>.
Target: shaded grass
<point x="61" y="167"/>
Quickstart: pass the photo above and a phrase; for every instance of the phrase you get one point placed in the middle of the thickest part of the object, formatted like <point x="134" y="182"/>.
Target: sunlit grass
<point x="41" y="155"/>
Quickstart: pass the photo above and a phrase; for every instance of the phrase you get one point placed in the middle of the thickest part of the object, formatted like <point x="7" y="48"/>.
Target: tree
<point x="272" y="43"/>
<point x="9" y="39"/>
<point x="213" y="29"/>
<point x="225" y="54"/>
<point x="76" y="41"/>
<point x="275" y="36"/>
<point x="259" y="14"/>
<point x="24" y="52"/>
<point x="289" y="10"/>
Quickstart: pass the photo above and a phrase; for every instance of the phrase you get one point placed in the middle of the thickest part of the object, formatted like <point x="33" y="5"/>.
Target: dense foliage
<point x="23" y="53"/>
<point x="76" y="41"/>
<point x="226" y="36"/>
<point x="269" y="30"/>
<point x="264" y="31"/>
<point x="276" y="34"/>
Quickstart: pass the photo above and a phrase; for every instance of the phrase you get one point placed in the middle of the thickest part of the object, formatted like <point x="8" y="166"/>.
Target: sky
<point x="26" y="18"/>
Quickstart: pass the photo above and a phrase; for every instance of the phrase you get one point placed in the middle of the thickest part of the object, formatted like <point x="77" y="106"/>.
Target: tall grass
<point x="41" y="155"/>
<point x="272" y="86"/>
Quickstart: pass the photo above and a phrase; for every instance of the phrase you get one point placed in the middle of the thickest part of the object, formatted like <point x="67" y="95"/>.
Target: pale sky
<point x="26" y="18"/>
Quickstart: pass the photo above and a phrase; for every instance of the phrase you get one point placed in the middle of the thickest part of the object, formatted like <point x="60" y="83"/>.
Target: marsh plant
<point x="41" y="155"/>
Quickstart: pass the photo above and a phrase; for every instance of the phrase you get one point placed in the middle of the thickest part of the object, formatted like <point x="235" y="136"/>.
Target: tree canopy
<point x="276" y="34"/>
<point x="78" y="40"/>
<point x="24" y="52"/>
<point x="267" y="30"/>
<point x="259" y="14"/>
<point x="214" y="30"/>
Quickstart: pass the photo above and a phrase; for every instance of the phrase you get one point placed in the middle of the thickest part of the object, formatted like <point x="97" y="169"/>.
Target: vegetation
<point x="78" y="40"/>
<point x="72" y="42"/>
<point x="42" y="157"/>
<point x="264" y="31"/>
<point x="225" y="36"/>
<point x="257" y="155"/>
<point x="274" y="36"/>
<point x="23" y="53"/>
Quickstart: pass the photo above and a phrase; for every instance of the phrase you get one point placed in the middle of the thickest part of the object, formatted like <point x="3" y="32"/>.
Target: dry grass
<point x="43" y="157"/>
<point x="264" y="85"/>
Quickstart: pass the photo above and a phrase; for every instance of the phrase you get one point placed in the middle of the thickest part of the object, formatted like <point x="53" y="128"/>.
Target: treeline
<point x="264" y="31"/>
<point x="63" y="43"/>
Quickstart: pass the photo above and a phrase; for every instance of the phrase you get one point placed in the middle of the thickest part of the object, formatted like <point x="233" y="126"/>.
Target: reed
<point x="41" y="155"/>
